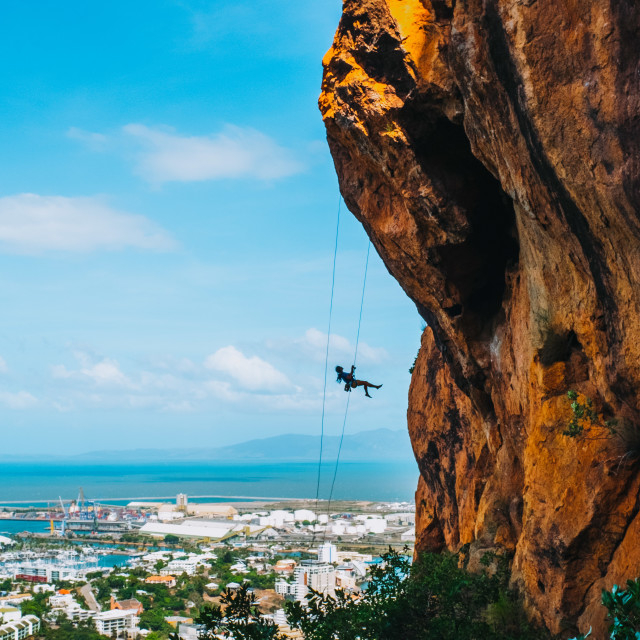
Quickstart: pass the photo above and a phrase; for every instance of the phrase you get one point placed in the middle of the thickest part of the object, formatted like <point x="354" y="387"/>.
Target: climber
<point x="350" y="381"/>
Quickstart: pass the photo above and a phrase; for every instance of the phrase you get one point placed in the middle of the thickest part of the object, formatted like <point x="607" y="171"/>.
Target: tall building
<point x="311" y="574"/>
<point x="327" y="552"/>
<point x="182" y="501"/>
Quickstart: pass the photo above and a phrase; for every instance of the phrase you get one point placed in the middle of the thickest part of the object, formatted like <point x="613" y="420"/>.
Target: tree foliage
<point x="434" y="599"/>
<point x="238" y="618"/>
<point x="68" y="631"/>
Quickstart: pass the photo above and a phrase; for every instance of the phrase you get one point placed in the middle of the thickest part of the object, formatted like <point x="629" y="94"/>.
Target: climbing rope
<point x="346" y="410"/>
<point x="326" y="359"/>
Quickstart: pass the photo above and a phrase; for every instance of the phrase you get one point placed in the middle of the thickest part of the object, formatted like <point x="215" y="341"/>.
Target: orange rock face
<point x="491" y="149"/>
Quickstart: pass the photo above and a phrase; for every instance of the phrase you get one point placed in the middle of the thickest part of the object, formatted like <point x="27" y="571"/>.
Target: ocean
<point x="40" y="483"/>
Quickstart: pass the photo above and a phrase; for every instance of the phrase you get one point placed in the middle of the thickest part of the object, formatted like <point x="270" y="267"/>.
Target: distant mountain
<point x="381" y="444"/>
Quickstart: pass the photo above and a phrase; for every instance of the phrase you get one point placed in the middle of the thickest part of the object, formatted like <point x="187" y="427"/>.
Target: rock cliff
<point x="491" y="150"/>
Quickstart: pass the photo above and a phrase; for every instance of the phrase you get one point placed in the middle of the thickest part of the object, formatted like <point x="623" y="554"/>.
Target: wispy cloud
<point x="106" y="372"/>
<point x="235" y="152"/>
<point x="19" y="400"/>
<point x="230" y="378"/>
<point x="94" y="141"/>
<point x="226" y="377"/>
<point x="31" y="223"/>
<point x="313" y="346"/>
<point x="251" y="373"/>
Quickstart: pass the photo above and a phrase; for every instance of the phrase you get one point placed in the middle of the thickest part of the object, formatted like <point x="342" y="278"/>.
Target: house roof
<point x="130" y="603"/>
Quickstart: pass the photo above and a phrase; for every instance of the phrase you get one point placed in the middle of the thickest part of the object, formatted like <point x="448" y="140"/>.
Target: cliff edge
<point x="491" y="150"/>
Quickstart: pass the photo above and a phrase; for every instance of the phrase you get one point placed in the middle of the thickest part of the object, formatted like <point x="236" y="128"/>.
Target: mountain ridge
<point x="364" y="446"/>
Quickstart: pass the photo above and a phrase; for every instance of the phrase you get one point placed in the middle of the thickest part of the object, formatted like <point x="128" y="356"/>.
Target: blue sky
<point x="167" y="217"/>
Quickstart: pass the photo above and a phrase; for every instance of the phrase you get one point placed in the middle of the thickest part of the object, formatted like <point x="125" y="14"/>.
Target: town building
<point x="9" y="614"/>
<point x="131" y="604"/>
<point x="284" y="566"/>
<point x="14" y="599"/>
<point x="310" y="574"/>
<point x="328" y="552"/>
<point x="175" y="621"/>
<point x="168" y="580"/>
<point x="178" y="567"/>
<point x="300" y="515"/>
<point x="209" y="529"/>
<point x="42" y="572"/>
<point x="108" y="622"/>
<point x="23" y="628"/>
<point x="189" y="631"/>
<point x="61" y="600"/>
<point x="409" y="535"/>
<point x="183" y="508"/>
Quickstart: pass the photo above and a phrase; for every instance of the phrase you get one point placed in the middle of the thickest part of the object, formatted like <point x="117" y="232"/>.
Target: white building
<point x="9" y="614"/>
<point x="409" y="535"/>
<point x="277" y="519"/>
<point x="178" y="567"/>
<point x="311" y="574"/>
<point x="182" y="501"/>
<point x="402" y="519"/>
<point x="280" y="617"/>
<point x="300" y="515"/>
<point x="375" y="525"/>
<point x="22" y="628"/>
<point x="115" y="620"/>
<point x="169" y="512"/>
<point x="51" y="572"/>
<point x="191" y="529"/>
<point x="188" y="631"/>
<point x="61" y="601"/>
<point x="345" y="580"/>
<point x="327" y="552"/>
<point x="77" y="613"/>
<point x="286" y="589"/>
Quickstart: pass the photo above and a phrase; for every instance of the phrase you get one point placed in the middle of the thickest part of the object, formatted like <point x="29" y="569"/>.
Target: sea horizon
<point x="34" y="483"/>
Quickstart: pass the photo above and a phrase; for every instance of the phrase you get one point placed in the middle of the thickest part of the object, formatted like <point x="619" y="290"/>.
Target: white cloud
<point x="3" y="365"/>
<point x="235" y="152"/>
<point x="19" y="400"/>
<point x="226" y="377"/>
<point x="103" y="373"/>
<point x="253" y="374"/>
<point x="31" y="223"/>
<point x="94" y="141"/>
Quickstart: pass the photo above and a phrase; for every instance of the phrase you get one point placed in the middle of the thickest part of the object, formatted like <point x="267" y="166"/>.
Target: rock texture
<point x="491" y="150"/>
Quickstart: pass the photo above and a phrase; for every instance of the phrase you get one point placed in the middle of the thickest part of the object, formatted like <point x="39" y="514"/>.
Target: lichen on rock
<point x="491" y="150"/>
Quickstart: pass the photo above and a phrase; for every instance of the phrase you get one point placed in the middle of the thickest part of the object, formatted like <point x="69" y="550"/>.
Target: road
<point x="89" y="598"/>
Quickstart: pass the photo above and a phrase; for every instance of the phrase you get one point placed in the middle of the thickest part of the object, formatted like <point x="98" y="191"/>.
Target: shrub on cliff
<point x="586" y="422"/>
<point x="433" y="599"/>
<point x="623" y="609"/>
